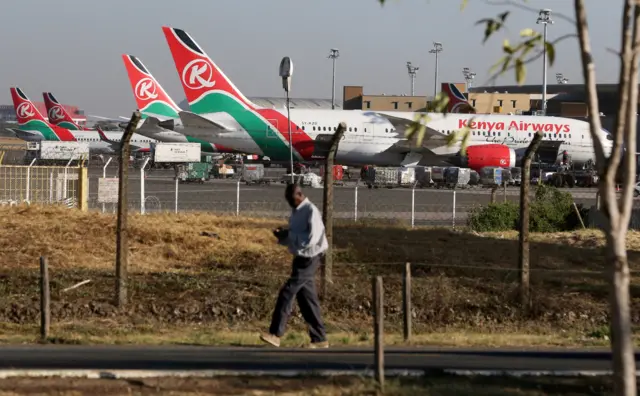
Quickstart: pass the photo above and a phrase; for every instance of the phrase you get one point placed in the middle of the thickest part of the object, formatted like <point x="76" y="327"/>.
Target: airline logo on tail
<point x="58" y="115"/>
<point x="151" y="98"/>
<point x="208" y="90"/>
<point x="457" y="101"/>
<point x="31" y="121"/>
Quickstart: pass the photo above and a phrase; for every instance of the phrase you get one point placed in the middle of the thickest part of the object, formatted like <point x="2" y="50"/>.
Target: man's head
<point x="294" y="195"/>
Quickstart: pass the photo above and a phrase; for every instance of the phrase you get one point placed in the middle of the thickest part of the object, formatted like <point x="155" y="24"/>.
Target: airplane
<point x="33" y="127"/>
<point x="222" y="114"/>
<point x="457" y="101"/>
<point x="158" y="109"/>
<point x="58" y="115"/>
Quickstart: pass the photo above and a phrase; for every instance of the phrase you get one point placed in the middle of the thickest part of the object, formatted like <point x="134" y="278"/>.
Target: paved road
<point x="272" y="360"/>
<point x="431" y="205"/>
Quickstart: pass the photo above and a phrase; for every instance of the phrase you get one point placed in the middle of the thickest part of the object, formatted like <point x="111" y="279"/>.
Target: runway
<point x="265" y="361"/>
<point x="430" y="206"/>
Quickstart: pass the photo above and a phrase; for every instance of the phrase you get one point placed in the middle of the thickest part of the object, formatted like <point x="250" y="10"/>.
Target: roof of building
<point x="277" y="102"/>
<point x="551" y="88"/>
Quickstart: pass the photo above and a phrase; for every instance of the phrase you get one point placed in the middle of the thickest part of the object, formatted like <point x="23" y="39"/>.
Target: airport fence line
<point x="36" y="184"/>
<point x="355" y="202"/>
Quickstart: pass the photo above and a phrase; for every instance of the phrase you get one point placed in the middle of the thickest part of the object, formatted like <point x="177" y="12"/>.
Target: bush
<point x="551" y="211"/>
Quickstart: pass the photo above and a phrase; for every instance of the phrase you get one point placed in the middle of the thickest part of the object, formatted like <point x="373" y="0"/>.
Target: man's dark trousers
<point x="301" y="285"/>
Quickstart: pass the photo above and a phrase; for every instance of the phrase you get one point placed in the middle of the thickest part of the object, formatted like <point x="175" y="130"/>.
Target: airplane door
<point x="271" y="133"/>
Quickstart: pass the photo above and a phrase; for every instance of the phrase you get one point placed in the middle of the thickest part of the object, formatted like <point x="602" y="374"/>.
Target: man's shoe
<point x="271" y="339"/>
<point x="319" y="345"/>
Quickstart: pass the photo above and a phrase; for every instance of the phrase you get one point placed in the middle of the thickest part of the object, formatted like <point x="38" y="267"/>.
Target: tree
<point x="616" y="211"/>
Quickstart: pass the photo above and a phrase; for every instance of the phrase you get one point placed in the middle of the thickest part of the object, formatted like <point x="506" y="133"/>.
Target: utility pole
<point x="437" y="48"/>
<point x="286" y="71"/>
<point x="333" y="55"/>
<point x="544" y="17"/>
<point x="468" y="77"/>
<point x="412" y="75"/>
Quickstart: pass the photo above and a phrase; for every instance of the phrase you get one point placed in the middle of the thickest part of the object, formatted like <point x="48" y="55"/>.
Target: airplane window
<point x="355" y="129"/>
<point x="569" y="136"/>
<point x="350" y="129"/>
<point x="494" y="134"/>
<point x="498" y="133"/>
<point x="365" y="129"/>
<point x="529" y="134"/>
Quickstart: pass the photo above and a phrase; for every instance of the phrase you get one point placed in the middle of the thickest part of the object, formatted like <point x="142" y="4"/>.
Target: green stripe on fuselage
<point x="44" y="129"/>
<point x="68" y="125"/>
<point x="205" y="147"/>
<point x="263" y="134"/>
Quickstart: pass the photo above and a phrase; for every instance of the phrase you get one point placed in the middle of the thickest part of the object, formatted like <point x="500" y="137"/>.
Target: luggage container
<point x="458" y="177"/>
<point x="193" y="172"/>
<point x="491" y="176"/>
<point x="423" y="176"/>
<point x="406" y="176"/>
<point x="474" y="178"/>
<point x="437" y="176"/>
<point x="254" y="174"/>
<point x="338" y="173"/>
<point x="382" y="177"/>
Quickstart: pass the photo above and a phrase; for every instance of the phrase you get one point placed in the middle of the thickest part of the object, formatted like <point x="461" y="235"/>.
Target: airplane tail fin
<point x="458" y="103"/>
<point x="204" y="83"/>
<point x="57" y="114"/>
<point x="25" y="109"/>
<point x="150" y="97"/>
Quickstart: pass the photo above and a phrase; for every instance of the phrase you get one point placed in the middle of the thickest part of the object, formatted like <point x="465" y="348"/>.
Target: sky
<point x="73" y="48"/>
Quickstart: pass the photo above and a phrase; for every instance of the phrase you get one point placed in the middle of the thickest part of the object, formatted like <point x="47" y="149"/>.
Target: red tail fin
<point x="25" y="109"/>
<point x="458" y="103"/>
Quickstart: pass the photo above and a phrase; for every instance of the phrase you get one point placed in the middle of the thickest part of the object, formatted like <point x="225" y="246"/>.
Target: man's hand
<point x="280" y="233"/>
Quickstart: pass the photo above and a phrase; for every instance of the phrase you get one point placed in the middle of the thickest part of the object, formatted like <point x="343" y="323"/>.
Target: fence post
<point x="65" y="188"/>
<point x="122" y="245"/>
<point x="51" y="186"/>
<point x="177" y="182"/>
<point x="453" y="215"/>
<point x="378" y="329"/>
<point x="28" y="186"/>
<point x="238" y="199"/>
<point x="504" y="191"/>
<point x="104" y="176"/>
<point x="83" y="188"/>
<point x="406" y="301"/>
<point x="45" y="299"/>
<point x="142" y="206"/>
<point x="413" y="205"/>
<point x="355" y="204"/>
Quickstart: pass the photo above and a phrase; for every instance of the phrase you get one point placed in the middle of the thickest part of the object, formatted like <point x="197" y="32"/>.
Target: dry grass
<point x="229" y="278"/>
<point x="430" y="386"/>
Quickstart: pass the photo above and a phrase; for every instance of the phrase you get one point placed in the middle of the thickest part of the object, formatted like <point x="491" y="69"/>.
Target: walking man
<point x="307" y="242"/>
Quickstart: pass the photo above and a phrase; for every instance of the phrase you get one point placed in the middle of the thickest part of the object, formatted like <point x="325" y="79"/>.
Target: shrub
<point x="551" y="211"/>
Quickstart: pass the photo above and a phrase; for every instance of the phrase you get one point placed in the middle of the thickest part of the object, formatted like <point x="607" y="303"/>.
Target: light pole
<point x="286" y="71"/>
<point x="412" y="75"/>
<point x="335" y="54"/>
<point x="544" y="17"/>
<point x="468" y="77"/>
<point x="437" y="48"/>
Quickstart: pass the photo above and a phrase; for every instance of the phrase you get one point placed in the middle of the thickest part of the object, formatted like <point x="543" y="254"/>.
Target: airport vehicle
<point x="193" y="172"/>
<point x="220" y="113"/>
<point x="33" y="127"/>
<point x="58" y="116"/>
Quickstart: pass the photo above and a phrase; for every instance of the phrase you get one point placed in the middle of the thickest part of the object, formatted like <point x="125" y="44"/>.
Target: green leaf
<point x="506" y="47"/>
<point x="504" y="60"/>
<point x="551" y="52"/>
<point x="464" y="4"/>
<point x="503" y="16"/>
<point x="521" y="71"/>
<point x="528" y="32"/>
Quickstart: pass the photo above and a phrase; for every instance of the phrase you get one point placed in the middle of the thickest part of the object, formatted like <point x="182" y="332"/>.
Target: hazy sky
<point x="72" y="47"/>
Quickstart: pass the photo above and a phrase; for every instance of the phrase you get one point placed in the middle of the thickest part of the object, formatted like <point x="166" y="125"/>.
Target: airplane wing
<point x="403" y="124"/>
<point x="193" y="120"/>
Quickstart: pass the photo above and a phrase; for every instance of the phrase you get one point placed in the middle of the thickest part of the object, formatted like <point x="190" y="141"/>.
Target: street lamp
<point x="334" y="55"/>
<point x="437" y="48"/>
<point x="468" y="77"/>
<point x="544" y="17"/>
<point x="286" y="71"/>
<point x="412" y="75"/>
<point x="561" y="79"/>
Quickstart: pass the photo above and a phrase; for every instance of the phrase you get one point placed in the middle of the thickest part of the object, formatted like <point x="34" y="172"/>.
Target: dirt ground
<point x="430" y="386"/>
<point x="203" y="271"/>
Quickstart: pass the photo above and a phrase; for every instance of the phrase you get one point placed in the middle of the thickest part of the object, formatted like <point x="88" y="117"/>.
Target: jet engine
<point x="480" y="156"/>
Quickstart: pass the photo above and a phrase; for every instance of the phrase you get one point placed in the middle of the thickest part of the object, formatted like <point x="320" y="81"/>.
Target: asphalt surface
<point x="273" y="360"/>
<point x="431" y="206"/>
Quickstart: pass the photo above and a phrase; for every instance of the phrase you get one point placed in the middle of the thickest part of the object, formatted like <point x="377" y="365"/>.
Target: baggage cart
<point x="491" y="176"/>
<point x="254" y="174"/>
<point x="437" y="175"/>
<point x="193" y="172"/>
<point x="382" y="177"/>
<point x="406" y="176"/>
<point x="423" y="176"/>
<point x="338" y="174"/>
<point x="457" y="177"/>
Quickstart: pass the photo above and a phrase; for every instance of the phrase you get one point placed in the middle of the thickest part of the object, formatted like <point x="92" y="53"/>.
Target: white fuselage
<point x="96" y="145"/>
<point x="371" y="138"/>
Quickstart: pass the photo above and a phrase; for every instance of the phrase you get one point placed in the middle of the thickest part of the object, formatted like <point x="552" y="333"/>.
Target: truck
<point x="193" y="172"/>
<point x="175" y="152"/>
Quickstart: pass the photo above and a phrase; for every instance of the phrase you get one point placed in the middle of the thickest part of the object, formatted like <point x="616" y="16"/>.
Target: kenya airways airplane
<point x="58" y="116"/>
<point x="159" y="111"/>
<point x="32" y="126"/>
<point x="223" y="115"/>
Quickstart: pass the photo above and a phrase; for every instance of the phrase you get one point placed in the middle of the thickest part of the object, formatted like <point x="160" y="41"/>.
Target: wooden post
<point x="523" y="256"/>
<point x="494" y="191"/>
<point x="406" y="301"/>
<point x="504" y="191"/>
<point x="327" y="209"/>
<point x="378" y="329"/>
<point x="575" y="207"/>
<point x="45" y="299"/>
<point x="122" y="245"/>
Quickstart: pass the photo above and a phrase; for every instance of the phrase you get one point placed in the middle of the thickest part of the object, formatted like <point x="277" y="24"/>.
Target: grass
<point x="437" y="385"/>
<point x="192" y="275"/>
